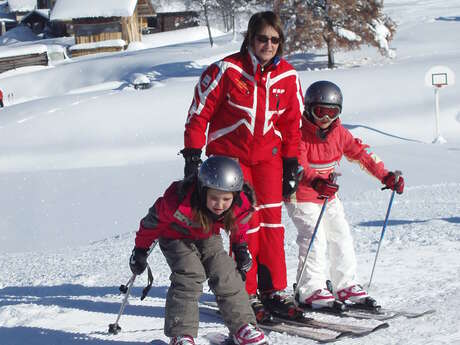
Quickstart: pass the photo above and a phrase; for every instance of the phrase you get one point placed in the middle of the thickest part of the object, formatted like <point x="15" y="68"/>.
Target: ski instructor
<point x="251" y="103"/>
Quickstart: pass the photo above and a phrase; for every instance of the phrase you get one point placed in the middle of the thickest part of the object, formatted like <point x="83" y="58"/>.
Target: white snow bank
<point x="179" y="36"/>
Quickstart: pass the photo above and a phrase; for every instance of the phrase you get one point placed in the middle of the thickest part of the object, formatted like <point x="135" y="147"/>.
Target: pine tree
<point x="335" y="24"/>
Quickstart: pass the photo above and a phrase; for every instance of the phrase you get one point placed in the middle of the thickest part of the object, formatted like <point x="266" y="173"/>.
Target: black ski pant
<point x="191" y="263"/>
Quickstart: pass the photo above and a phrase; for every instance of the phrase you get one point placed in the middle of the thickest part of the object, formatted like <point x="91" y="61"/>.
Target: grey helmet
<point x="323" y="92"/>
<point x="220" y="172"/>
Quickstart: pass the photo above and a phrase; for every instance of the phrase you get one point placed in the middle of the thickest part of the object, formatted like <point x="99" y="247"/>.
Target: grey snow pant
<point x="191" y="263"/>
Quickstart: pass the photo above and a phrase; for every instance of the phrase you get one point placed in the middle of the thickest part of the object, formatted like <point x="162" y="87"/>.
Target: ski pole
<point x="382" y="234"/>
<point x="333" y="178"/>
<point x="114" y="328"/>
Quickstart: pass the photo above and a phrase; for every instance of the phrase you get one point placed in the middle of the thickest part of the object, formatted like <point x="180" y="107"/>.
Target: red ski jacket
<point x="320" y="156"/>
<point x="172" y="218"/>
<point x="253" y="112"/>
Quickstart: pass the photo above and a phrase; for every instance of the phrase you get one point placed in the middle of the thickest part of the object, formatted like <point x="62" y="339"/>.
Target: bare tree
<point x="231" y="9"/>
<point x="336" y="24"/>
<point x="206" y="6"/>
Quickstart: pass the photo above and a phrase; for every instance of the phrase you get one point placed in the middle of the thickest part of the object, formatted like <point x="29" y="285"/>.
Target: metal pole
<point x="382" y="234"/>
<point x="436" y="101"/>
<point x="304" y="266"/>
<point x="333" y="178"/>
<point x="114" y="328"/>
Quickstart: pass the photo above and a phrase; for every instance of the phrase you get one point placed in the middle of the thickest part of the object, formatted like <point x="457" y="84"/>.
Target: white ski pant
<point x="332" y="255"/>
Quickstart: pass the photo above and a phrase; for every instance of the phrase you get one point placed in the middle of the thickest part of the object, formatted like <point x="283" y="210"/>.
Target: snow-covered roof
<point x="43" y="13"/>
<point x="101" y="44"/>
<point x="22" y="5"/>
<point x="24" y="50"/>
<point x="69" y="9"/>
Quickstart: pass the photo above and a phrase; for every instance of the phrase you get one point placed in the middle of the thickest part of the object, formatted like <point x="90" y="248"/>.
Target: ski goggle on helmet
<point x="324" y="100"/>
<point x="323" y="112"/>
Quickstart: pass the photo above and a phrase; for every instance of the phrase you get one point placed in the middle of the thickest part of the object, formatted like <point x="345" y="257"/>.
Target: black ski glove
<point x="243" y="258"/>
<point x="138" y="260"/>
<point x="192" y="161"/>
<point x="291" y="176"/>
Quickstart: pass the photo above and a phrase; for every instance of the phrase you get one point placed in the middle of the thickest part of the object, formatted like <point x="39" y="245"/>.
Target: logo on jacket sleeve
<point x="206" y="80"/>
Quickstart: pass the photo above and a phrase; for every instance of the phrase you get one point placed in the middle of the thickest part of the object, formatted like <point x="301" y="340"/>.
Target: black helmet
<point x="220" y="172"/>
<point x="323" y="92"/>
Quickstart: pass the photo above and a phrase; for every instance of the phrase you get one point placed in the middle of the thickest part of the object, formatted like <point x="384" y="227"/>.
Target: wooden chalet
<point x="99" y="26"/>
<point x="31" y="55"/>
<point x="37" y="20"/>
<point x="169" y="21"/>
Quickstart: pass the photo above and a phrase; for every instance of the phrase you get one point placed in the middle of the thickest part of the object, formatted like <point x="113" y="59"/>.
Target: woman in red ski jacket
<point x="251" y="103"/>
<point x="187" y="221"/>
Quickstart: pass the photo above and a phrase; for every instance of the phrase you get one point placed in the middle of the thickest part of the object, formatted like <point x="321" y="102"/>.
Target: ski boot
<point x="356" y="297"/>
<point x="249" y="335"/>
<point x="261" y="313"/>
<point x="321" y="299"/>
<point x="182" y="340"/>
<point x="282" y="305"/>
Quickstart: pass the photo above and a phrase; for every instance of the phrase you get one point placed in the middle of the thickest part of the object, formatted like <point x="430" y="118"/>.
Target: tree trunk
<point x="225" y="20"/>
<point x="207" y="25"/>
<point x="233" y="25"/>
<point x="330" y="55"/>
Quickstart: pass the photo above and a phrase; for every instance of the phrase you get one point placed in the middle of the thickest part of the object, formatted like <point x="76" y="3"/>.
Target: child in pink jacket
<point x="332" y="257"/>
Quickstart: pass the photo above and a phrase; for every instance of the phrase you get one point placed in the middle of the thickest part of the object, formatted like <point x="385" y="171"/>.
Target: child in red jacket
<point x="324" y="142"/>
<point x="187" y="221"/>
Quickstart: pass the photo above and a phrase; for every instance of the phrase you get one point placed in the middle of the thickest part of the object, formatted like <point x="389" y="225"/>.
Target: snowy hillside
<point x="84" y="155"/>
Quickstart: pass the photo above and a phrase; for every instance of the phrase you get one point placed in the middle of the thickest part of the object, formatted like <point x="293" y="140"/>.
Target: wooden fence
<point x="12" y="62"/>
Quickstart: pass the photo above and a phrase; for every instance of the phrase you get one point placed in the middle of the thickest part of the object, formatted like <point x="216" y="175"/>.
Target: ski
<point x="354" y="330"/>
<point x="308" y="328"/>
<point x="321" y="335"/>
<point x="381" y="314"/>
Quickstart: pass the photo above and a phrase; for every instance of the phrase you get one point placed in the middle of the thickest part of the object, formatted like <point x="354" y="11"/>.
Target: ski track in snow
<point x="71" y="296"/>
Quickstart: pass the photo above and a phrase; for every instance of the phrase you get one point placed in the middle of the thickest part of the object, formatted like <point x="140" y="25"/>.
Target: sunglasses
<point x="265" y="39"/>
<point x="323" y="111"/>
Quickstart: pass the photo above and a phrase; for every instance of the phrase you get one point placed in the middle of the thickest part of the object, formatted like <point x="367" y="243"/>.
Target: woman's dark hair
<point x="257" y="23"/>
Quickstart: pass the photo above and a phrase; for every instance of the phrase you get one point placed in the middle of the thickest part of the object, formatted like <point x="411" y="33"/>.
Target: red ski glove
<point x="390" y="182"/>
<point x="325" y="188"/>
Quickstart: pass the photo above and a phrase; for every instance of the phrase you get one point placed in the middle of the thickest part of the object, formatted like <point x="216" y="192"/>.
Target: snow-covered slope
<point x="84" y="155"/>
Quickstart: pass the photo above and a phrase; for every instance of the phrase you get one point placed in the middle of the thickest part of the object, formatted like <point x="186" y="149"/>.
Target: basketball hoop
<point x="438" y="77"/>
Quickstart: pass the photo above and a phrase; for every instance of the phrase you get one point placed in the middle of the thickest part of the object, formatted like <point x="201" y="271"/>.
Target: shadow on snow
<point x="40" y="336"/>
<point x="449" y="19"/>
<point x="351" y="127"/>
<point x="64" y="296"/>
<point x="454" y="220"/>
